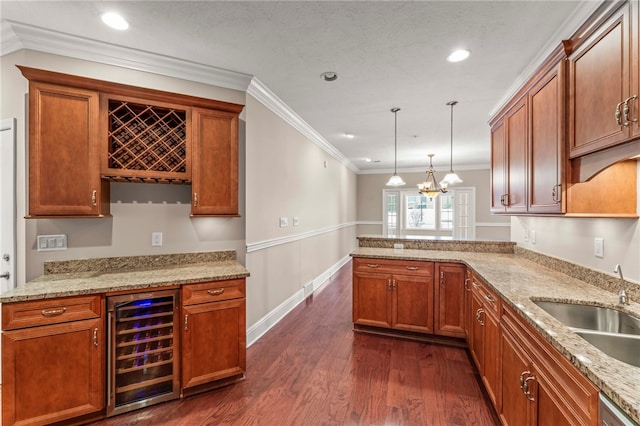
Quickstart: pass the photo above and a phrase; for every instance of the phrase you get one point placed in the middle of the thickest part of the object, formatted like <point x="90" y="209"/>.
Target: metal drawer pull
<point x="524" y="373"/>
<point x="489" y="298"/>
<point x="625" y="111"/>
<point x="94" y="198"/>
<point x="466" y="287"/>
<point x="186" y="322"/>
<point x="618" y="114"/>
<point x="372" y="265"/>
<point x="53" y="312"/>
<point x="195" y="199"/>
<point x="412" y="268"/>
<point x="95" y="337"/>
<point x="525" y="389"/>
<point x="479" y="312"/>
<point x="216" y="292"/>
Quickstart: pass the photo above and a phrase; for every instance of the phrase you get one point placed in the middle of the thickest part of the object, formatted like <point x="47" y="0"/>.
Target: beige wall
<point x="370" y="186"/>
<point x="287" y="177"/>
<point x="137" y="209"/>
<point x="571" y="239"/>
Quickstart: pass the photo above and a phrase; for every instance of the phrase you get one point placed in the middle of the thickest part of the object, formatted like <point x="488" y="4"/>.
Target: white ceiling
<point x="387" y="54"/>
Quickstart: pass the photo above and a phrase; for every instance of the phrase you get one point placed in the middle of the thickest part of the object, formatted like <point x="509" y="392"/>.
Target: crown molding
<point x="479" y="166"/>
<point x="16" y="36"/>
<point x="270" y="100"/>
<point x="580" y="15"/>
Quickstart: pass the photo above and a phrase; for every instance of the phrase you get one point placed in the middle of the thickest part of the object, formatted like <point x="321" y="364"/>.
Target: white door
<point x="7" y="204"/>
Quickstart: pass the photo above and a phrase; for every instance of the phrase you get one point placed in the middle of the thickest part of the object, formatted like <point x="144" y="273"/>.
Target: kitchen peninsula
<point x="507" y="280"/>
<point x="141" y="329"/>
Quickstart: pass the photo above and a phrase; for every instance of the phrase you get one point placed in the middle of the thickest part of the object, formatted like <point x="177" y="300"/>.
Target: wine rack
<point x="146" y="143"/>
<point x="143" y="358"/>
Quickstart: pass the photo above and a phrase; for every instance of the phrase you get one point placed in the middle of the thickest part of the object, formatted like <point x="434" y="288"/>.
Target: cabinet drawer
<point x="489" y="298"/>
<point x="51" y="311"/>
<point x="193" y="294"/>
<point x="386" y="266"/>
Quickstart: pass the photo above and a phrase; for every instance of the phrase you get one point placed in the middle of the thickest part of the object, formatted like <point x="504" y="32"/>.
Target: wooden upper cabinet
<point x="215" y="163"/>
<point x="599" y="81"/>
<point x="509" y="160"/>
<point x="64" y="172"/>
<point x="546" y="142"/>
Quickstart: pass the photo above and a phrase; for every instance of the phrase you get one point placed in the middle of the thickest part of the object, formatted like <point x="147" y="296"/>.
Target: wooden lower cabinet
<point x="389" y="299"/>
<point x="485" y="334"/>
<point x="449" y="300"/>
<point x="53" y="372"/>
<point x="539" y="386"/>
<point x="213" y="332"/>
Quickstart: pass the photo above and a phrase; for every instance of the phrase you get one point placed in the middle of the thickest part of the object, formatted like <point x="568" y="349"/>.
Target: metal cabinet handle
<point x="556" y="194"/>
<point x="372" y="265"/>
<point x="625" y="111"/>
<point x="490" y="298"/>
<point x="524" y="373"/>
<point x="53" y="312"/>
<point x="389" y="284"/>
<point x="186" y="322"/>
<point x="6" y="275"/>
<point x="412" y="268"/>
<point x="94" y="197"/>
<point x="479" y="312"/>
<point x="618" y="114"/>
<point x="466" y="287"/>
<point x="394" y="284"/>
<point x="95" y="337"/>
<point x="216" y="292"/>
<point x="525" y="388"/>
<point x="195" y="199"/>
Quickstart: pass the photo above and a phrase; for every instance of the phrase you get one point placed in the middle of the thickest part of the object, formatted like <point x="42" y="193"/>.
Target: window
<point x="449" y="214"/>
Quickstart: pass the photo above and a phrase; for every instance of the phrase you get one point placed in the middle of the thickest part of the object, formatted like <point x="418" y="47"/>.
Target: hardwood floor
<point x="313" y="369"/>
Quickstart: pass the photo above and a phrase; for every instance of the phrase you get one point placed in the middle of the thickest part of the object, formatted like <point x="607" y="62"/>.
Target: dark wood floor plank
<point x="313" y="369"/>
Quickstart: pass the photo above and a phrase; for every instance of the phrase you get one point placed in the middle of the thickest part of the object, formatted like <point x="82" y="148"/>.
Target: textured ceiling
<point x="387" y="54"/>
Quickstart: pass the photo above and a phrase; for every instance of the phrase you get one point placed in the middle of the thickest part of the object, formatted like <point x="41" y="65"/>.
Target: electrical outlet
<point x="598" y="247"/>
<point x="156" y="239"/>
<point x="526" y="235"/>
<point x="296" y="221"/>
<point x="284" y="222"/>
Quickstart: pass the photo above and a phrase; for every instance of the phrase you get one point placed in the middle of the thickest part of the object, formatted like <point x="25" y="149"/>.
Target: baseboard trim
<point x="260" y="328"/>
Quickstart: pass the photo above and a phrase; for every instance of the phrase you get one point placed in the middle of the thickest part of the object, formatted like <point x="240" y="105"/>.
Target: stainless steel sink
<point x="615" y="333"/>
<point x="592" y="317"/>
<point x="622" y="347"/>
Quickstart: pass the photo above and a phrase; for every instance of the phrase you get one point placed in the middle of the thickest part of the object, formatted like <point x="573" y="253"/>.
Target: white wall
<point x="571" y="239"/>
<point x="488" y="226"/>
<point x="287" y="177"/>
<point x="137" y="209"/>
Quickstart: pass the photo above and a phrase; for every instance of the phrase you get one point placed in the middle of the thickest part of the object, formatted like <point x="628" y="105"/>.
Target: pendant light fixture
<point x="430" y="187"/>
<point x="451" y="178"/>
<point x="395" y="180"/>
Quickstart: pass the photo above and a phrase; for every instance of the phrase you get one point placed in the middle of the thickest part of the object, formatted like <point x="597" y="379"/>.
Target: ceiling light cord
<point x="395" y="180"/>
<point x="451" y="178"/>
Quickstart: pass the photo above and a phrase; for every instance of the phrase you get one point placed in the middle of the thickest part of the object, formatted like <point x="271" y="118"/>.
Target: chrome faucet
<point x="623" y="294"/>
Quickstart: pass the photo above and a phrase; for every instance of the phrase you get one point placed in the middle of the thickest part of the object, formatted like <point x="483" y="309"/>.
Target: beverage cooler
<point x="142" y="356"/>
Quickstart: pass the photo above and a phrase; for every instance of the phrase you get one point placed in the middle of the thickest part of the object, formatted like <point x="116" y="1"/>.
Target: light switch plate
<point x="52" y="242"/>
<point x="284" y="221"/>
<point x="156" y="239"/>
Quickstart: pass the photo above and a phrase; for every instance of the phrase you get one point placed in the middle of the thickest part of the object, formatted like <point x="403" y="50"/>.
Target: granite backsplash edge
<point x="127" y="263"/>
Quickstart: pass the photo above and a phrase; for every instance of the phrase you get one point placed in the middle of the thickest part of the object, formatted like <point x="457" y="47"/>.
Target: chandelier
<point x="430" y="187"/>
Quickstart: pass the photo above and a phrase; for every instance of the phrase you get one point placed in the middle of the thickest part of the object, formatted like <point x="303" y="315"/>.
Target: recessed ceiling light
<point x="368" y="160"/>
<point x="349" y="135"/>
<point x="115" y="21"/>
<point x="459" y="55"/>
<point x="329" y="76"/>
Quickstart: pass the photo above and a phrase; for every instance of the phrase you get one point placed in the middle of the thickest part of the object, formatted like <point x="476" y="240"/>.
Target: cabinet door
<point x="372" y="299"/>
<point x="215" y="163"/>
<point x="52" y="373"/>
<point x="516" y="158"/>
<point x="598" y="85"/>
<point x="477" y="333"/>
<point x="213" y="342"/>
<point x="549" y="404"/>
<point x="546" y="142"/>
<point x="515" y="407"/>
<point x="412" y="305"/>
<point x="468" y="314"/>
<point x="498" y="168"/>
<point x="492" y="364"/>
<point x="64" y="161"/>
<point x="449" y="297"/>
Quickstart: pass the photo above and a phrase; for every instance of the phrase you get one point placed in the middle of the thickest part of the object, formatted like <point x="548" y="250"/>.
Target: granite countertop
<point x="519" y="281"/>
<point x="96" y="276"/>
